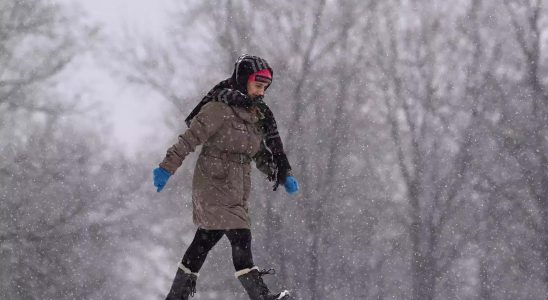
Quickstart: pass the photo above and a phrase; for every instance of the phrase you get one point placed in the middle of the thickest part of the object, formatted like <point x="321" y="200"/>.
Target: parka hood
<point x="244" y="67"/>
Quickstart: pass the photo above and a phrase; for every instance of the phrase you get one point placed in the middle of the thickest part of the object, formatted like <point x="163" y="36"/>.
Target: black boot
<point x="183" y="285"/>
<point x="255" y="287"/>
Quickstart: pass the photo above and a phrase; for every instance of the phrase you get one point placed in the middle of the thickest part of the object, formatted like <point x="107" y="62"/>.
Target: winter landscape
<point x="417" y="132"/>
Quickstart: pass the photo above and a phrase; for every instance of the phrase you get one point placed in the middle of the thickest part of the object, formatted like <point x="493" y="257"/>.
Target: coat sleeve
<point x="205" y="124"/>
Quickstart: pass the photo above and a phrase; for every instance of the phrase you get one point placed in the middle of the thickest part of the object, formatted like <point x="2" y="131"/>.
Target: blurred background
<point x="417" y="129"/>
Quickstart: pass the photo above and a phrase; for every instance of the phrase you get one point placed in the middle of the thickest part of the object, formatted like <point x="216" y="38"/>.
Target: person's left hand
<point x="291" y="185"/>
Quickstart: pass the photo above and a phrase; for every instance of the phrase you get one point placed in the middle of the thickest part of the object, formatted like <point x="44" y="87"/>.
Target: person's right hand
<point x="160" y="177"/>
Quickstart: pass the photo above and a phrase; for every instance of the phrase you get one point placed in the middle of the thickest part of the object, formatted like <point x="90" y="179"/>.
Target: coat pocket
<point x="213" y="167"/>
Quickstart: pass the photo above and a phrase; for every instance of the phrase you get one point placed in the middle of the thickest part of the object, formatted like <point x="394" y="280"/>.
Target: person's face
<point x="256" y="89"/>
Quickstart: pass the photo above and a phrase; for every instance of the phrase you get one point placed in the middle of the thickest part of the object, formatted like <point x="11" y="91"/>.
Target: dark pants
<point x="204" y="240"/>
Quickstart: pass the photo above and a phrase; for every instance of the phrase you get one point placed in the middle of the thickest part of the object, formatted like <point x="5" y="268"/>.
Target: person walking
<point x="235" y="127"/>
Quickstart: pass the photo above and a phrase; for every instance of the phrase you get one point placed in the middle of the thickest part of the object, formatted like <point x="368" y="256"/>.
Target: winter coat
<point x="221" y="185"/>
<point x="232" y="91"/>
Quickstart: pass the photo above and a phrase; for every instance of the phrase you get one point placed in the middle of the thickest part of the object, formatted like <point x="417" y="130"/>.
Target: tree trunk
<point x="485" y="282"/>
<point x="421" y="260"/>
<point x="543" y="206"/>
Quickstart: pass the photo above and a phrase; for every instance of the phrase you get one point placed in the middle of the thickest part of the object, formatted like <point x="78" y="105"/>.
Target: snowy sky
<point x="128" y="112"/>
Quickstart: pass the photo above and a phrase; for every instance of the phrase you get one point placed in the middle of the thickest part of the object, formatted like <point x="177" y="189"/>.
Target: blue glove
<point x="160" y="176"/>
<point x="291" y="185"/>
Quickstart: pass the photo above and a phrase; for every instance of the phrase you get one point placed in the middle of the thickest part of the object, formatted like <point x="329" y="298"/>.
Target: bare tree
<point x="57" y="211"/>
<point x="527" y="141"/>
<point x="433" y="125"/>
<point x="530" y="45"/>
<point x="58" y="207"/>
<point x="36" y="44"/>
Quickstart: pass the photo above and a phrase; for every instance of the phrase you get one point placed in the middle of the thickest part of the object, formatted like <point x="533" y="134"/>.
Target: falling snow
<point x="418" y="133"/>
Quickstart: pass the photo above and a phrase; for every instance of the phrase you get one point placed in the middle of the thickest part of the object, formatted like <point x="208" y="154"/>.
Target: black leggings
<point x="204" y="240"/>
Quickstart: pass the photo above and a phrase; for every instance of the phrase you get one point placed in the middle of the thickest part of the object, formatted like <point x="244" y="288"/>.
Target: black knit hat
<point x="245" y="66"/>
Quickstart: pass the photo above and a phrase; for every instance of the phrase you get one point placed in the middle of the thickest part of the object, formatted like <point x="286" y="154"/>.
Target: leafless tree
<point x="58" y="204"/>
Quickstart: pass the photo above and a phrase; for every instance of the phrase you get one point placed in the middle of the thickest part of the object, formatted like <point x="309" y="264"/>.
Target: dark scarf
<point x="224" y="92"/>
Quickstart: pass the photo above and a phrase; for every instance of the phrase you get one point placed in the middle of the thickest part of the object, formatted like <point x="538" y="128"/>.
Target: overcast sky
<point x="129" y="112"/>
